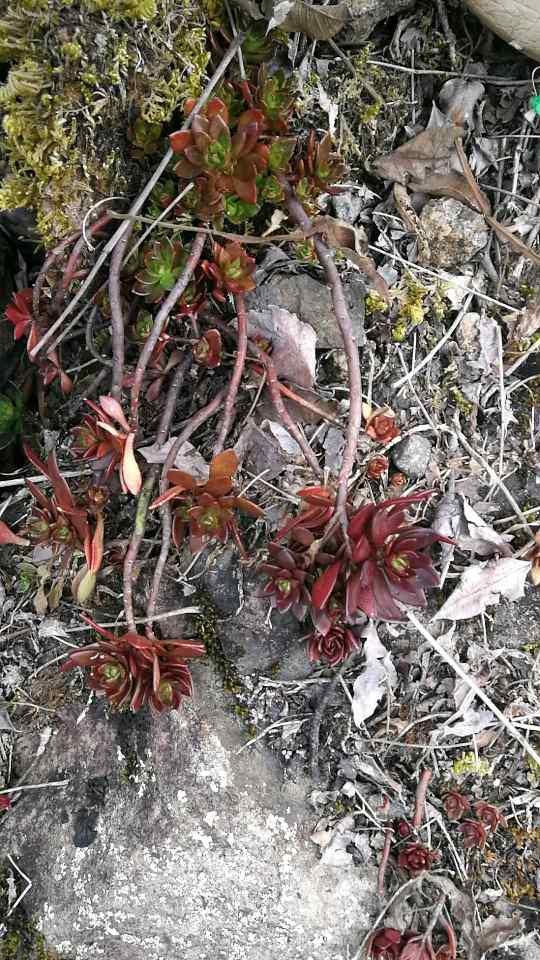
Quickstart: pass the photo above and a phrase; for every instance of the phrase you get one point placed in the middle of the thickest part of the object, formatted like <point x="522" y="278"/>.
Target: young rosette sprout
<point x="19" y="313"/>
<point x="207" y="350"/>
<point x="231" y="270"/>
<point x="335" y="644"/>
<point x="206" y="510"/>
<point x="231" y="160"/>
<point x="286" y="585"/>
<point x="319" y="171"/>
<point x="163" y="262"/>
<point x="390" y="561"/>
<point x="108" y="440"/>
<point x="275" y="97"/>
<point x="132" y="670"/>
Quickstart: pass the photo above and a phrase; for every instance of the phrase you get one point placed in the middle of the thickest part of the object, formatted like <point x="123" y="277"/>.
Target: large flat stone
<point x="168" y="844"/>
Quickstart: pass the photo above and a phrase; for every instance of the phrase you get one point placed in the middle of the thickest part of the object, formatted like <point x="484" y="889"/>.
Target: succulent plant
<point x="488" y="814"/>
<point x="474" y="833"/>
<point x="207" y="350"/>
<point x="286" y="584"/>
<point x="334" y="645"/>
<point x="163" y="262"/>
<point x="19" y="313"/>
<point x="318" y="171"/>
<point x="231" y="270"/>
<point x="231" y="160"/>
<point x="206" y="510"/>
<point x="257" y="46"/>
<point x="237" y="210"/>
<point x="275" y="97"/>
<point x="376" y="467"/>
<point x="132" y="670"/>
<point x="382" y="427"/>
<point x="415" y="857"/>
<point x="455" y="805"/>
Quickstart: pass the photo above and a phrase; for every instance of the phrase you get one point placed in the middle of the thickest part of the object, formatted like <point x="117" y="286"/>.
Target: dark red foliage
<point x="415" y="857"/>
<point x="286" y="585"/>
<point x="376" y="467"/>
<point x="5" y="801"/>
<point x="390" y="559"/>
<point x="474" y="833"/>
<point x="131" y="670"/>
<point x="231" y="270"/>
<point x="320" y="169"/>
<point x="20" y="314"/>
<point x="488" y="814"/>
<point x="108" y="440"/>
<point x="335" y="645"/>
<point x="382" y="427"/>
<point x="207" y="350"/>
<point x="455" y="805"/>
<point x="402" y="828"/>
<point x="386" y="944"/>
<point x="206" y="509"/>
<point x="318" y="510"/>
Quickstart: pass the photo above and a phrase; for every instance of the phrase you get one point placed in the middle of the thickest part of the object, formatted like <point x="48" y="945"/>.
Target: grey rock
<point x="310" y="300"/>
<point x="454" y="232"/>
<point x="411" y="455"/>
<point x="348" y="205"/>
<point x="366" y="14"/>
<point x="167" y="843"/>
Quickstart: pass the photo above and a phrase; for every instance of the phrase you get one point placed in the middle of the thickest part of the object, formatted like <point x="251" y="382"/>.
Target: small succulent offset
<point x="415" y="857"/>
<point x="19" y="312"/>
<point x="163" y="262"/>
<point x="474" y="833"/>
<point x="207" y="350"/>
<point x="231" y="160"/>
<point x="133" y="670"/>
<point x="231" y="270"/>
<point x="206" y="510"/>
<point x="455" y="805"/>
<point x="108" y="441"/>
<point x="318" y="171"/>
<point x="275" y="97"/>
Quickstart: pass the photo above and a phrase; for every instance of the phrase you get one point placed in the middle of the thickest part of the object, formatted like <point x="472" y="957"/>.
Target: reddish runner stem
<point x="420" y="804"/>
<point x="343" y="319"/>
<point x="232" y="393"/>
<point x="159" y="323"/>
<point x="42" y="276"/>
<point x="281" y="410"/>
<point x="389" y="833"/>
<point x="146" y="492"/>
<point x="75" y="255"/>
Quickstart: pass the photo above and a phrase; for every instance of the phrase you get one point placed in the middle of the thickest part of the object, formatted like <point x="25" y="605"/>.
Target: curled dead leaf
<point x="317" y="22"/>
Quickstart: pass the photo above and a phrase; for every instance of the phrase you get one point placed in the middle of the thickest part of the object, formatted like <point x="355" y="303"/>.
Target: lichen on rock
<point x="69" y="107"/>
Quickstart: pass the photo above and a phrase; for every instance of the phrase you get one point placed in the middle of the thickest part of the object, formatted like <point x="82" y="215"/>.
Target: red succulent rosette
<point x="132" y="670"/>
<point x="108" y="439"/>
<point x="287" y="578"/>
<point x="415" y="857"/>
<point x="231" y="270"/>
<point x="386" y="944"/>
<point x="455" y="805"/>
<point x="19" y="313"/>
<point x="488" y="814"/>
<point x="377" y="466"/>
<point x="382" y="427"/>
<point x="335" y="645"/>
<point x="474" y="833"/>
<point x="207" y="350"/>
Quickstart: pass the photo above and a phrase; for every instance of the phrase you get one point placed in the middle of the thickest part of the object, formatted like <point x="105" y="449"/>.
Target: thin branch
<point x="388" y="835"/>
<point x="420" y="803"/>
<point x="343" y="319"/>
<point x="281" y="410"/>
<point x="471" y="683"/>
<point x="117" y="311"/>
<point x="141" y="199"/>
<point x="241" y="351"/>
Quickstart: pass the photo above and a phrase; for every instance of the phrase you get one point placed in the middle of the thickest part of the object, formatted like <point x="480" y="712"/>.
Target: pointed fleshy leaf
<point x="83" y="585"/>
<point x="224" y="464"/>
<point x="322" y="588"/>
<point x="7" y="536"/>
<point x="113" y="409"/>
<point x="179" y="140"/>
<point x="130" y="473"/>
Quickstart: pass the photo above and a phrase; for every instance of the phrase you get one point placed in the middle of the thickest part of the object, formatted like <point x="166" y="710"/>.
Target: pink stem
<point x="159" y="323"/>
<point x="389" y="833"/>
<point x="230" y="400"/>
<point x="342" y="315"/>
<point x="420" y="804"/>
<point x="117" y="312"/>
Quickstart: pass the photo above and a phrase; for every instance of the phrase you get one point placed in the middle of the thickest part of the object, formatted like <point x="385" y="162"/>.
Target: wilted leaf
<point x="251" y="8"/>
<point x="317" y="22"/>
<point x="483" y="585"/>
<point x="524" y="324"/>
<point x="455" y="518"/>
<point x="287" y="443"/>
<point x="352" y="242"/>
<point x="293" y="343"/>
<point x="473" y="721"/>
<point x="425" y="154"/>
<point x="452" y="185"/>
<point x="52" y="628"/>
<point x="5" y="722"/>
<point x="497" y="930"/>
<point x="187" y="458"/>
<point x="458" y="98"/>
<point x="376" y="677"/>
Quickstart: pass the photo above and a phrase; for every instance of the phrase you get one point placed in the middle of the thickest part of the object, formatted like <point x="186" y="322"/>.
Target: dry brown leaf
<point x="352" y="243"/>
<point x="483" y="585"/>
<point x="316" y="22"/>
<point x="425" y="154"/>
<point x="452" y="185"/>
<point x="524" y="324"/>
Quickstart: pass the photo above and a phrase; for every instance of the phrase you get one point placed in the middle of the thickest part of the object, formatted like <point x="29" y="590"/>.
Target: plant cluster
<point x="369" y="566"/>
